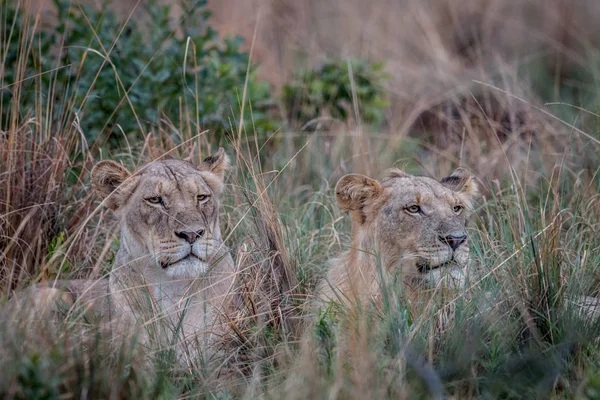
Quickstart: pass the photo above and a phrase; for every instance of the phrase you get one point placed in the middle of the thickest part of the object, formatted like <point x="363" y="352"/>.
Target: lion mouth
<point x="426" y="267"/>
<point x="165" y="265"/>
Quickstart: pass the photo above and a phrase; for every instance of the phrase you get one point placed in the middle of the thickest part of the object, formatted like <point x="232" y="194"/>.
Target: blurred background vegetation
<point x="300" y="93"/>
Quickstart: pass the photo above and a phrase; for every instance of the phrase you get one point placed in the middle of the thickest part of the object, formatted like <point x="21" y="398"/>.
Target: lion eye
<point x="458" y="209"/>
<point x="414" y="209"/>
<point x="155" y="200"/>
<point x="202" y="198"/>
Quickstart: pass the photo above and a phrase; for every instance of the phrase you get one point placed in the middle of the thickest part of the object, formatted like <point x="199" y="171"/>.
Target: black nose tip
<point x="454" y="240"/>
<point x="190" y="237"/>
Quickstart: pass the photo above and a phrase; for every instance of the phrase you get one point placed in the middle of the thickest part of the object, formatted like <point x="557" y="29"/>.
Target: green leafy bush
<point x="120" y="79"/>
<point x="19" y="59"/>
<point x="330" y="89"/>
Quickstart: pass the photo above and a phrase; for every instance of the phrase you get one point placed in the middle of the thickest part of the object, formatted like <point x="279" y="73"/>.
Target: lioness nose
<point x="190" y="237"/>
<point x="454" y="239"/>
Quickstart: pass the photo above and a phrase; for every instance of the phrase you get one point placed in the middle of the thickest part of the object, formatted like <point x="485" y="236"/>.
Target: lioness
<point x="411" y="225"/>
<point x="172" y="271"/>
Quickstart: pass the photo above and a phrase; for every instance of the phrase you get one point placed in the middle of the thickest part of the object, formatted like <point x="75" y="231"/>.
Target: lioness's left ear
<point x="107" y="178"/>
<point x="215" y="165"/>
<point x="354" y="192"/>
<point x="461" y="181"/>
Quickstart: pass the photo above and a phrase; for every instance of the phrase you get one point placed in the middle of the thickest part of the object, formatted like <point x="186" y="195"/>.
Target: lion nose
<point x="190" y="237"/>
<point x="454" y="239"/>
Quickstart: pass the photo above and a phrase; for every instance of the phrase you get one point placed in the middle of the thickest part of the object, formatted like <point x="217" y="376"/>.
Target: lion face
<point x="415" y="223"/>
<point x="169" y="212"/>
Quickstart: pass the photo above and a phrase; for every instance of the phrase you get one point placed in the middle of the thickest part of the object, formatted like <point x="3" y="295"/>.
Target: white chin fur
<point x="453" y="276"/>
<point x="188" y="268"/>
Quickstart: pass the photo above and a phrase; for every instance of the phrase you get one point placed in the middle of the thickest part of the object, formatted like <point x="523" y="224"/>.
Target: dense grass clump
<point x="91" y="85"/>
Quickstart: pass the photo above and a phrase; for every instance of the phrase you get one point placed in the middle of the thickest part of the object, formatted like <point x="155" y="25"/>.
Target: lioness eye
<point x="414" y="209"/>
<point x="202" y="198"/>
<point x="458" y="209"/>
<point x="155" y="200"/>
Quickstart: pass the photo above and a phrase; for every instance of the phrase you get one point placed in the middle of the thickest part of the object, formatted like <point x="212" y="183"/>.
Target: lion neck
<point x="368" y="262"/>
<point x="363" y="262"/>
<point x="142" y="293"/>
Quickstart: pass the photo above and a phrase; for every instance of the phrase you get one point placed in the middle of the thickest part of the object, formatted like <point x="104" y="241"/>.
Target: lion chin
<point x="450" y="273"/>
<point x="189" y="267"/>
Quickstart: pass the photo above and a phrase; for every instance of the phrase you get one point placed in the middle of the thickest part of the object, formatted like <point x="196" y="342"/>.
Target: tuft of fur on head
<point x="395" y="173"/>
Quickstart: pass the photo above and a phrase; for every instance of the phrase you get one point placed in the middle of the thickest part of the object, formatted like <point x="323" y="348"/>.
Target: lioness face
<point x="418" y="223"/>
<point x="169" y="211"/>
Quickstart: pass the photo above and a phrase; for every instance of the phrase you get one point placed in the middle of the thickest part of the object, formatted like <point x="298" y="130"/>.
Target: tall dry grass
<point x="44" y="166"/>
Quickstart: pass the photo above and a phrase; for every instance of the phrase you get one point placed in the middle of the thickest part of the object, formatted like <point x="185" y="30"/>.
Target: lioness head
<point x="416" y="223"/>
<point x="169" y="212"/>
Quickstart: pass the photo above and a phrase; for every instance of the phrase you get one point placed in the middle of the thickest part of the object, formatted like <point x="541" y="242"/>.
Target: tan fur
<point x="388" y="239"/>
<point x="162" y="289"/>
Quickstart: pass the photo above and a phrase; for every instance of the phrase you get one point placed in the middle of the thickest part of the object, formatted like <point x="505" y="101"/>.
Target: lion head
<point x="169" y="212"/>
<point x="414" y="225"/>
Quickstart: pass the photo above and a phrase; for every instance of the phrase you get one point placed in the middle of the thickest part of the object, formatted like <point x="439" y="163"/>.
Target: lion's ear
<point x="107" y="177"/>
<point x="215" y="165"/>
<point x="353" y="192"/>
<point x="462" y="181"/>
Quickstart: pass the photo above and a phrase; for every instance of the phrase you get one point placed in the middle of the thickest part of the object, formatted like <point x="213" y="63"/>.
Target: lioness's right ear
<point x="215" y="165"/>
<point x="107" y="176"/>
<point x="461" y="181"/>
<point x="353" y="192"/>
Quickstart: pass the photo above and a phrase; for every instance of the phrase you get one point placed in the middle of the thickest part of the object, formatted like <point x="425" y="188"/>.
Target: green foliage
<point x="591" y="388"/>
<point x="67" y="366"/>
<point x="55" y="248"/>
<point x="17" y="82"/>
<point x="330" y="90"/>
<point x="36" y="379"/>
<point x="121" y="78"/>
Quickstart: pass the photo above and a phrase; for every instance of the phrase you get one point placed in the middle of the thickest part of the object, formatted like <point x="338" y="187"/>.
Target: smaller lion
<point x="412" y="227"/>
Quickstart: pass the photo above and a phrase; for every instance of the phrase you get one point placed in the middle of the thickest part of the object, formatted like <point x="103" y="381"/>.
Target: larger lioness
<point x="412" y="227"/>
<point x="172" y="273"/>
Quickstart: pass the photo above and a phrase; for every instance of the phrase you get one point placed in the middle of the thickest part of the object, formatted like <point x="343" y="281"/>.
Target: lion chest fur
<point x="161" y="310"/>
